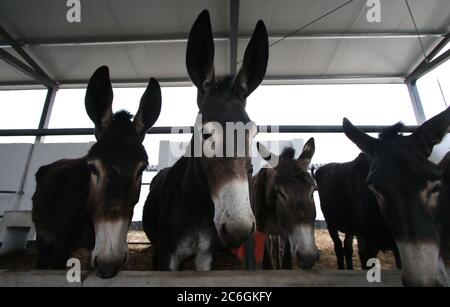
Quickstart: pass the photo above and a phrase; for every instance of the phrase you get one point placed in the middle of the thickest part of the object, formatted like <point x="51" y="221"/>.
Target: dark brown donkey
<point x="88" y="202"/>
<point x="412" y="195"/>
<point x="284" y="207"/>
<point x="204" y="199"/>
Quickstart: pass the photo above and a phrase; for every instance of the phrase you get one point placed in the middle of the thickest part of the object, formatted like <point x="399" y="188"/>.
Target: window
<point x="434" y="90"/>
<point x="21" y="110"/>
<point x="371" y="104"/>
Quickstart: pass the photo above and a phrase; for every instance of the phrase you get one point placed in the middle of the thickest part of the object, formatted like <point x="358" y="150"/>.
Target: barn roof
<point x="139" y="39"/>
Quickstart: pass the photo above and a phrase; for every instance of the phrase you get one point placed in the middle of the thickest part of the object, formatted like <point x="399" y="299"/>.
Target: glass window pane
<point x="21" y="109"/>
<point x="434" y="90"/>
<point x="372" y="104"/>
<point x="179" y="106"/>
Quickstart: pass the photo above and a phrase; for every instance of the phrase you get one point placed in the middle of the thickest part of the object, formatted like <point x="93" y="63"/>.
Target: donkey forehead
<point x="290" y="174"/>
<point x="224" y="110"/>
<point x="118" y="150"/>
<point x="400" y="167"/>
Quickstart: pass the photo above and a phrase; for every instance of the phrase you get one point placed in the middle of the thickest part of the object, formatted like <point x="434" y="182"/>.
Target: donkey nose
<point x="307" y="261"/>
<point x="108" y="268"/>
<point x="235" y="236"/>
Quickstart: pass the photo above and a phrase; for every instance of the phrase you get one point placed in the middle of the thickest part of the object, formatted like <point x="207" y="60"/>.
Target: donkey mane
<point x="288" y="153"/>
<point x="392" y="131"/>
<point x="290" y="170"/>
<point x="122" y="116"/>
<point x="225" y="83"/>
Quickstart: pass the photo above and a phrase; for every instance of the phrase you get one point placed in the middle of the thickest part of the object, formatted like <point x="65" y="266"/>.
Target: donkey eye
<point x="93" y="169"/>
<point x="436" y="188"/>
<point x="282" y="195"/>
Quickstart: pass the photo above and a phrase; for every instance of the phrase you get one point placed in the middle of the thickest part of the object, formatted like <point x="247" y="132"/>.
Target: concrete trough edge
<point x="259" y="278"/>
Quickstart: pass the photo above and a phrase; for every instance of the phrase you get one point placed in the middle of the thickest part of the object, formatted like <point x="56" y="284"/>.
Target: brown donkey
<point x="88" y="202"/>
<point x="284" y="207"/>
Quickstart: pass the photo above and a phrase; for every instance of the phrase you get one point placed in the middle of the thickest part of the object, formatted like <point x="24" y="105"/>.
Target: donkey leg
<point x="155" y="260"/>
<point x="287" y="256"/>
<point x="366" y="251"/>
<point x="398" y="260"/>
<point x="60" y="254"/>
<point x="338" y="249"/>
<point x="170" y="261"/>
<point x="348" y="249"/>
<point x="267" y="260"/>
<point x="44" y="250"/>
<point x="203" y="258"/>
<point x="277" y="251"/>
<point x="203" y="261"/>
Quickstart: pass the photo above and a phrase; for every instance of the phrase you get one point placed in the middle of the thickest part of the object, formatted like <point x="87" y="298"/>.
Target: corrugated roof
<point x="139" y="39"/>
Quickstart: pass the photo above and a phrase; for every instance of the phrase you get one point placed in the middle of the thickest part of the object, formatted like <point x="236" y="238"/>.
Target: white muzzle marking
<point x="302" y="240"/>
<point x="232" y="208"/>
<point x="110" y="242"/>
<point x="422" y="264"/>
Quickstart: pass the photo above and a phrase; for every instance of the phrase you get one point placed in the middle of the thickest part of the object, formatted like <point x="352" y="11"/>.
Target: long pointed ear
<point x="98" y="99"/>
<point x="149" y="108"/>
<point x="308" y="152"/>
<point x="271" y="158"/>
<point x="254" y="66"/>
<point x="200" y="55"/>
<point x="432" y="132"/>
<point x="365" y="142"/>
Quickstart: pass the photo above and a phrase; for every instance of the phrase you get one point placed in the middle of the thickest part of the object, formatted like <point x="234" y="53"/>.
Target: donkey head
<point x="222" y="111"/>
<point x="407" y="187"/>
<point x="292" y="189"/>
<point x="116" y="163"/>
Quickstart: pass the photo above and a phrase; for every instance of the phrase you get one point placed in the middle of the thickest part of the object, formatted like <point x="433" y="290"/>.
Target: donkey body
<point x="88" y="202"/>
<point x="203" y="201"/>
<point x="412" y="195"/>
<point x="284" y="208"/>
<point x="350" y="207"/>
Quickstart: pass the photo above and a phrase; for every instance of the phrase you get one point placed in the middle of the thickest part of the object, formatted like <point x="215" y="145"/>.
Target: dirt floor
<point x="141" y="254"/>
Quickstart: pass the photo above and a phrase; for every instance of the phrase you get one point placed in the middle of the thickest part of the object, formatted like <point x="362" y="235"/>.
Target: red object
<point x="260" y="240"/>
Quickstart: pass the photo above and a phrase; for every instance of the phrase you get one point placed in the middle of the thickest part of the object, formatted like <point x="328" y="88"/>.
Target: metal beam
<point x="183" y="130"/>
<point x="422" y="67"/>
<point x="47" y="110"/>
<point x="426" y="67"/>
<point x="18" y="48"/>
<point x="23" y="68"/>
<point x="269" y="80"/>
<point x="131" y="40"/>
<point x="416" y="102"/>
<point x="294" y="79"/>
<point x="234" y="34"/>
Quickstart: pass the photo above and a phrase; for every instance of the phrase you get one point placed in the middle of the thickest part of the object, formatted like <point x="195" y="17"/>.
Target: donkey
<point x="350" y="207"/>
<point x="203" y="200"/>
<point x="88" y="202"/>
<point x="412" y="195"/>
<point x="284" y="206"/>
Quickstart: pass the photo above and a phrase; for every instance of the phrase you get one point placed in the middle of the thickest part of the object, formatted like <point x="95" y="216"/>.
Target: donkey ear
<point x="98" y="99"/>
<point x="308" y="152"/>
<point x="432" y="132"/>
<point x="149" y="108"/>
<point x="365" y="142"/>
<point x="254" y="66"/>
<point x="200" y="55"/>
<point x="271" y="158"/>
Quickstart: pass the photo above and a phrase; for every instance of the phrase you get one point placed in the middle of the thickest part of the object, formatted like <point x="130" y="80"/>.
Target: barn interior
<point x="317" y="49"/>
